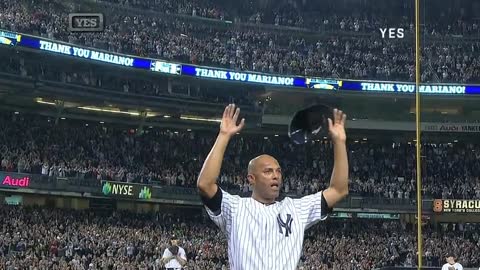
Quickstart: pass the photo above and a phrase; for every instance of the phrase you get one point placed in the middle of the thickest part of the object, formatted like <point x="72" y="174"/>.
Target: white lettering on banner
<point x="384" y="87"/>
<point x="110" y="58"/>
<point x="442" y="89"/>
<point x="55" y="47"/>
<point x="244" y="77"/>
<point x="238" y="76"/>
<point x="270" y="79"/>
<point x="405" y="88"/>
<point x="410" y="88"/>
<point x="209" y="73"/>
<point x="86" y="53"/>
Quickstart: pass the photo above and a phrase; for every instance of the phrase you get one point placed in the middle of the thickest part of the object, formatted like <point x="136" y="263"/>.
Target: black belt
<point x="173" y="268"/>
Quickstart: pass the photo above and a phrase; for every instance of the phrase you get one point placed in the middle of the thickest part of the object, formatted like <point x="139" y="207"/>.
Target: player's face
<point x="450" y="260"/>
<point x="267" y="178"/>
<point x="174" y="242"/>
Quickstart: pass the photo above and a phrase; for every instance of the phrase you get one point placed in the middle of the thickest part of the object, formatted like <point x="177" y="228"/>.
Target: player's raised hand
<point x="337" y="126"/>
<point x="229" y="121"/>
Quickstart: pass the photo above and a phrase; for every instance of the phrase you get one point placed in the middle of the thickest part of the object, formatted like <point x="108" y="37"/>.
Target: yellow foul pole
<point x="418" y="130"/>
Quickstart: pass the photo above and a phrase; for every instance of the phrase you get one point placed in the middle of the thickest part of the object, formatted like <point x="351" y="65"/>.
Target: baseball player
<point x="264" y="233"/>
<point x="174" y="257"/>
<point x="451" y="263"/>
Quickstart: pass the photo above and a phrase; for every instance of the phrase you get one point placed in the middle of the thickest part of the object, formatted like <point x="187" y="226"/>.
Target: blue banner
<point x="78" y="52"/>
<point x="472" y="89"/>
<point x="398" y="87"/>
<point x="10" y="38"/>
<point x="240" y="76"/>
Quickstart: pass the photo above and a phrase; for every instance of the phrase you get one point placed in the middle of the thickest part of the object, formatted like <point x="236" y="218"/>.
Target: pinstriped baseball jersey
<point x="264" y="237"/>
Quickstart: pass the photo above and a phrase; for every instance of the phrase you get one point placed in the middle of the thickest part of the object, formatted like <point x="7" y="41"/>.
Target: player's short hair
<point x="450" y="254"/>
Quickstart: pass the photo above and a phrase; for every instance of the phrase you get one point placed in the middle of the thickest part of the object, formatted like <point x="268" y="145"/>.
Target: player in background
<point x="451" y="263"/>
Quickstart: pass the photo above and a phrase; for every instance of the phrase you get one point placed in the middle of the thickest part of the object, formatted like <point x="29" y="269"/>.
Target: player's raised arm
<point x="207" y="180"/>
<point x="338" y="188"/>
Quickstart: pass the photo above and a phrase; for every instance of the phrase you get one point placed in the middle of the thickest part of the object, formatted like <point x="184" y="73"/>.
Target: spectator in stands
<point x="102" y="239"/>
<point x="167" y="37"/>
<point x="89" y="154"/>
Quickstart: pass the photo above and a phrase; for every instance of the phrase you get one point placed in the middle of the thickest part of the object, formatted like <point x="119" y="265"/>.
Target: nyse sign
<point x="126" y="190"/>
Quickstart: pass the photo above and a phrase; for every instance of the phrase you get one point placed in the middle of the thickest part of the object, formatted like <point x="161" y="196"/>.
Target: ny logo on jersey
<point x="285" y="224"/>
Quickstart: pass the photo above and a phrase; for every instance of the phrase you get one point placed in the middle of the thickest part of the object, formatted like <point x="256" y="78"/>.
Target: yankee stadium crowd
<point x="41" y="238"/>
<point x="258" y="49"/>
<point x="174" y="157"/>
<point x="325" y="16"/>
<point x="319" y="38"/>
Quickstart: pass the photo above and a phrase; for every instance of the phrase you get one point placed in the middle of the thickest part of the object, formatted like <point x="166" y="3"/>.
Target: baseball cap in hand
<point x="309" y="123"/>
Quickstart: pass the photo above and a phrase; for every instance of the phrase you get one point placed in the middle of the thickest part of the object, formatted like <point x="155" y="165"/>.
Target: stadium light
<point x="40" y="100"/>
<point x="196" y="118"/>
<point x="115" y="110"/>
<point x="89" y="108"/>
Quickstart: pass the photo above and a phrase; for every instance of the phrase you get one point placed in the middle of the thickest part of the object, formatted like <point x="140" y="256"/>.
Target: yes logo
<point x="85" y="22"/>
<point x="392" y="33"/>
